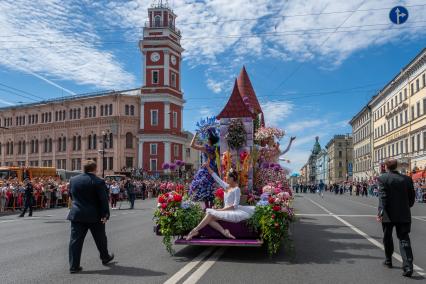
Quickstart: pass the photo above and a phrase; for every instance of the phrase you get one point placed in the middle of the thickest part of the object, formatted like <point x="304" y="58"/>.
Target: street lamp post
<point x="105" y="139"/>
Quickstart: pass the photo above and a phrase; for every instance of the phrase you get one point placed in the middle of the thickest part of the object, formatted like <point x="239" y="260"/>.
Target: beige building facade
<point x="340" y="158"/>
<point x="191" y="156"/>
<point x="64" y="132"/>
<point x="399" y="117"/>
<point x="362" y="142"/>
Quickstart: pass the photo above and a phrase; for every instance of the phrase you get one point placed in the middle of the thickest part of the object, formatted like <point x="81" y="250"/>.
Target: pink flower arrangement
<point x="264" y="133"/>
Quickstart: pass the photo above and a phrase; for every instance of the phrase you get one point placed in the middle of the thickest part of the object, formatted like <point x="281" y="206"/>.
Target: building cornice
<point x="398" y="80"/>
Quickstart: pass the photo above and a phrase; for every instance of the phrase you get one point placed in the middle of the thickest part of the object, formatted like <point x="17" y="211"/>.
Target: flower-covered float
<point x="244" y="144"/>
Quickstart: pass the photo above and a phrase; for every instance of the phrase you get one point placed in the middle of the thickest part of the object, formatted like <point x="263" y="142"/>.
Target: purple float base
<point x="240" y="230"/>
<point x="220" y="242"/>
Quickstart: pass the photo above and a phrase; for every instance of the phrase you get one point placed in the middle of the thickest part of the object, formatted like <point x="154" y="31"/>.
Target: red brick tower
<point x="160" y="136"/>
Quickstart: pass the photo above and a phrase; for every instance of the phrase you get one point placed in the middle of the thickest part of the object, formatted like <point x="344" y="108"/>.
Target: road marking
<point x="313" y="215"/>
<point x="196" y="276"/>
<point x="420" y="218"/>
<point x="188" y="267"/>
<point x="397" y="256"/>
<point x="328" y="215"/>
<point x="8" y="221"/>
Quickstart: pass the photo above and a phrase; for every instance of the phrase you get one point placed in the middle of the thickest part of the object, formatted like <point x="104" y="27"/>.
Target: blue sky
<point x="313" y="63"/>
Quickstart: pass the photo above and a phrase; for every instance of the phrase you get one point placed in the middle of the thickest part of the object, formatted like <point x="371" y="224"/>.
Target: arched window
<point x="50" y="145"/>
<point x="86" y="113"/>
<point x="74" y="143"/>
<point x="94" y="111"/>
<point x="79" y="143"/>
<point x="157" y="21"/>
<point x="79" y="113"/>
<point x="64" y="144"/>
<point x="36" y="146"/>
<point x="126" y="110"/>
<point x="32" y="146"/>
<point x="63" y="114"/>
<point x="110" y="109"/>
<point x="132" y="110"/>
<point x="45" y="145"/>
<point x="24" y="147"/>
<point x="19" y="147"/>
<point x="129" y="140"/>
<point x="102" y="110"/>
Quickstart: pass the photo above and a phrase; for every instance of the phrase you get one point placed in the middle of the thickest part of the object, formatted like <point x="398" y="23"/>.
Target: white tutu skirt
<point x="236" y="215"/>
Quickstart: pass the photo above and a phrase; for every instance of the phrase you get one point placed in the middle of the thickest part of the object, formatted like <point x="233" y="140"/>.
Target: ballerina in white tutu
<point x="232" y="211"/>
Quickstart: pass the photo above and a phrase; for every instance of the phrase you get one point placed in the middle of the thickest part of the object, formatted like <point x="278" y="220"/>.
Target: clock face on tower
<point x="155" y="56"/>
<point x="173" y="58"/>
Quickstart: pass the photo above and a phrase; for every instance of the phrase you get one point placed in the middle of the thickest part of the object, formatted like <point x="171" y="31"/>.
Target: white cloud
<point x="297" y="29"/>
<point x="299" y="126"/>
<point x="4" y="102"/>
<point x="215" y="86"/>
<point x="317" y="36"/>
<point x="276" y="111"/>
<point x="62" y="39"/>
<point x="55" y="39"/>
<point x="206" y="112"/>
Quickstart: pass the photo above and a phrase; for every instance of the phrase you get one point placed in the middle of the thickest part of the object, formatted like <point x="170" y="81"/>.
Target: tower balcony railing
<point x="162" y="25"/>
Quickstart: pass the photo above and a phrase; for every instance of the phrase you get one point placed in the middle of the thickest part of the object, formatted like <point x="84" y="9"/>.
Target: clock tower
<point x="160" y="136"/>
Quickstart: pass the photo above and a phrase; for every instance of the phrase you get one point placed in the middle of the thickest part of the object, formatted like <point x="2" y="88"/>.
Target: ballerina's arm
<point x="288" y="147"/>
<point x="197" y="146"/>
<point x="219" y="181"/>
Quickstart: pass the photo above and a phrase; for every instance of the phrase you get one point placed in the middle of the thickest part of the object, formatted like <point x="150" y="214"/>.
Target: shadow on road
<point x="114" y="269"/>
<point x="313" y="243"/>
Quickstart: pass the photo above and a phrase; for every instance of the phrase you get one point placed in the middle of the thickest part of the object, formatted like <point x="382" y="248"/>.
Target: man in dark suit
<point x="28" y="198"/>
<point x="89" y="211"/>
<point x="396" y="197"/>
<point x="131" y="195"/>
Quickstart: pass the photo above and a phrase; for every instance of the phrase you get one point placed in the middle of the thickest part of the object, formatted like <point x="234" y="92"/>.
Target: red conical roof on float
<point x="235" y="107"/>
<point x="246" y="90"/>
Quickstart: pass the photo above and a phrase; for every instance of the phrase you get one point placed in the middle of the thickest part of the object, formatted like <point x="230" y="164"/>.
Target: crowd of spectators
<point x="364" y="189"/>
<point x="49" y="192"/>
<point x="52" y="192"/>
<point x="420" y="187"/>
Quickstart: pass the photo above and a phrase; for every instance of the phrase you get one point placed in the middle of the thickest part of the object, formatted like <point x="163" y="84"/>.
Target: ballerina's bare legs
<point x="212" y="222"/>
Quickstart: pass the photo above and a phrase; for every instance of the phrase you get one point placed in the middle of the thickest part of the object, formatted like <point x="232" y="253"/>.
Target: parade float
<point x="251" y="148"/>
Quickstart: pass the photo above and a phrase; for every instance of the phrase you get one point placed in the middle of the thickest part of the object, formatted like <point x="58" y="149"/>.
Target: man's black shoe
<point x="76" y="270"/>
<point x="21" y="216"/>
<point x="388" y="263"/>
<point x="108" y="260"/>
<point x="407" y="272"/>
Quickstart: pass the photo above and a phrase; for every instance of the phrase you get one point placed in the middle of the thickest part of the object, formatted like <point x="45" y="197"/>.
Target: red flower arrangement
<point x="218" y="197"/>
<point x="175" y="217"/>
<point x="220" y="193"/>
<point x="171" y="199"/>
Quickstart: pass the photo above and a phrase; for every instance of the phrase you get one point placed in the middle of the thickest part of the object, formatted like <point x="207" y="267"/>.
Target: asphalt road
<point x="335" y="240"/>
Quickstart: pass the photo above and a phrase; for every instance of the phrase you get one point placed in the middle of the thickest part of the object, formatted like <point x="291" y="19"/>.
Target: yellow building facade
<point x="399" y="118"/>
